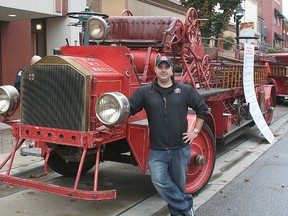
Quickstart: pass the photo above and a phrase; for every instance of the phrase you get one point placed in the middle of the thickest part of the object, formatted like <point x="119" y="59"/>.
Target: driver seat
<point x="143" y="31"/>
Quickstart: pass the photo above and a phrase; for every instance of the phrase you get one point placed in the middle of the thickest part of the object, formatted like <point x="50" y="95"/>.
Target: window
<point x="38" y="37"/>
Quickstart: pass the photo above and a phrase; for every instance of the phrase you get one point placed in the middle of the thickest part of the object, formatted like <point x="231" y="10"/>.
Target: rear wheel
<point x="269" y="111"/>
<point x="67" y="167"/>
<point x="280" y="100"/>
<point x="202" y="160"/>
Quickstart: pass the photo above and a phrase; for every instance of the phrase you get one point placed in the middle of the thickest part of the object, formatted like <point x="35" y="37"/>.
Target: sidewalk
<point x="21" y="163"/>
<point x="6" y="139"/>
<point x="261" y="189"/>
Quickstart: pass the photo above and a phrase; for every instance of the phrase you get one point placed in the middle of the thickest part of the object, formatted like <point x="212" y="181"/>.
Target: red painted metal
<point x="124" y="67"/>
<point x="138" y="139"/>
<point x="80" y="168"/>
<point x="11" y="155"/>
<point x="97" y="169"/>
<point x="203" y="145"/>
<point x="278" y="75"/>
<point x="191" y="25"/>
<point x="58" y="190"/>
<point x="47" y="155"/>
<point x="66" y="137"/>
<point x="82" y="138"/>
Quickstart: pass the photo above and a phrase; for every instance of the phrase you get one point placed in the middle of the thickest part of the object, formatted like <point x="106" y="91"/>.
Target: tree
<point x="217" y="21"/>
<point x="229" y="42"/>
<point x="276" y="49"/>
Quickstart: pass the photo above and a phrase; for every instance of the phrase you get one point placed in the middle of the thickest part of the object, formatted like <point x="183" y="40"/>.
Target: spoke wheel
<point x="206" y="67"/>
<point x="199" y="175"/>
<point x="178" y="34"/>
<point x="191" y="25"/>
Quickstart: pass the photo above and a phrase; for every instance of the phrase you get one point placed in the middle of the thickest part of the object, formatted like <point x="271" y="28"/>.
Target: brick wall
<point x="260" y="8"/>
<point x="94" y="5"/>
<point x="64" y="7"/>
<point x="269" y="19"/>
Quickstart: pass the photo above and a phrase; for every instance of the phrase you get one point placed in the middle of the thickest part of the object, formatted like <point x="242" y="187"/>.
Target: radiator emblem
<point x="31" y="76"/>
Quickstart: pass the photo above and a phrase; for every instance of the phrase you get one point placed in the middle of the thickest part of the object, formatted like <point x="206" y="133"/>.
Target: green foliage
<point x="229" y="42"/>
<point x="276" y="49"/>
<point x="217" y="21"/>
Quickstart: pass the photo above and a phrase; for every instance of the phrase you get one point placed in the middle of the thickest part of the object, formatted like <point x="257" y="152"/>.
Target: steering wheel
<point x="127" y="13"/>
<point x="78" y="15"/>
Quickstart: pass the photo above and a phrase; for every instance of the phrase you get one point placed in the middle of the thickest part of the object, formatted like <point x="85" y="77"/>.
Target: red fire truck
<point x="278" y="75"/>
<point x="74" y="105"/>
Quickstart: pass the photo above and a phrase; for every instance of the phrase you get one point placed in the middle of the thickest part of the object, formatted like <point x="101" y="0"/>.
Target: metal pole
<point x="237" y="31"/>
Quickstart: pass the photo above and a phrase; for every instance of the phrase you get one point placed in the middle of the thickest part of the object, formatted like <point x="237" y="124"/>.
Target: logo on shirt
<point x="177" y="91"/>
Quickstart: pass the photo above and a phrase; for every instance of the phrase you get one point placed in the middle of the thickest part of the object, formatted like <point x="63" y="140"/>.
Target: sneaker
<point x="191" y="212"/>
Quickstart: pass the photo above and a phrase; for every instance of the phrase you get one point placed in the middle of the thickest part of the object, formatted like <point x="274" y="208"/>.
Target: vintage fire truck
<point x="278" y="74"/>
<point x="75" y="107"/>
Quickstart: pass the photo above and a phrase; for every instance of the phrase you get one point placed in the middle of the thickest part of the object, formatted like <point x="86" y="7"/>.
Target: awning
<point x="278" y="36"/>
<point x="277" y="13"/>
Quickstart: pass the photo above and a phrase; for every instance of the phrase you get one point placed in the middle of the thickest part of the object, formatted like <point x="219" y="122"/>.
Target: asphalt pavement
<point x="260" y="190"/>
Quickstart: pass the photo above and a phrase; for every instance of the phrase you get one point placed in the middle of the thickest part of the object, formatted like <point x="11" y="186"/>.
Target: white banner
<point x="250" y="95"/>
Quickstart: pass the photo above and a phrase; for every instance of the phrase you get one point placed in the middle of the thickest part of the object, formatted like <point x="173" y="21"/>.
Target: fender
<point x="138" y="137"/>
<point x="276" y="84"/>
<point x="270" y="92"/>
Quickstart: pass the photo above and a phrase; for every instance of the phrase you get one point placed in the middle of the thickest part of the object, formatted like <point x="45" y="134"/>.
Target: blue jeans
<point x="168" y="169"/>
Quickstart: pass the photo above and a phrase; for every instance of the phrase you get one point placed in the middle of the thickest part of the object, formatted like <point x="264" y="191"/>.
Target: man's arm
<point x="192" y="134"/>
<point x="136" y="102"/>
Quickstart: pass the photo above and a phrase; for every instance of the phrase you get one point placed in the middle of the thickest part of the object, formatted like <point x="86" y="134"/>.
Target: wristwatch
<point x="196" y="131"/>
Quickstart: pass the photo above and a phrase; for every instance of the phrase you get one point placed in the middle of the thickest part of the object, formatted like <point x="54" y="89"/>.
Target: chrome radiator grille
<point x="53" y="96"/>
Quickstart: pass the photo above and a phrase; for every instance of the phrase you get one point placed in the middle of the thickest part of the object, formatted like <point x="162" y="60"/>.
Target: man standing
<point x="166" y="103"/>
<point x="34" y="59"/>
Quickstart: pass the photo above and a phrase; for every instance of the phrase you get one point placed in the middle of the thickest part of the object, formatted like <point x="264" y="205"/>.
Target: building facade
<point x="30" y="28"/>
<point x="34" y="27"/>
<point x="273" y="19"/>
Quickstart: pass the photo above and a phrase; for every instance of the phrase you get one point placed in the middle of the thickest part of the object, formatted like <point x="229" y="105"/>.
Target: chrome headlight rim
<point x="92" y="24"/>
<point x="9" y="98"/>
<point x="120" y="108"/>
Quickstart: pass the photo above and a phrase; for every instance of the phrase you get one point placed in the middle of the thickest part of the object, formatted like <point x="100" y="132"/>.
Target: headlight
<point x="9" y="97"/>
<point x="112" y="108"/>
<point x="97" y="28"/>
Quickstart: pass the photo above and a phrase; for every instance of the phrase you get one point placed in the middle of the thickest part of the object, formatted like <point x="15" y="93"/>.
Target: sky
<point x="285" y="8"/>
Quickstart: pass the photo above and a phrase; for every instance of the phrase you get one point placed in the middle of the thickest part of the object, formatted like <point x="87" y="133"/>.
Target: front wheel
<point x="202" y="160"/>
<point x="59" y="163"/>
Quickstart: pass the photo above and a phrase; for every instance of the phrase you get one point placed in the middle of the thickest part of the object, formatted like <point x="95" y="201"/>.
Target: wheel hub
<point x="200" y="160"/>
<point x="270" y="109"/>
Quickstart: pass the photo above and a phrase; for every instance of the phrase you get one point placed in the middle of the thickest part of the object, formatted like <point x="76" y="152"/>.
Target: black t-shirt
<point x="165" y="91"/>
